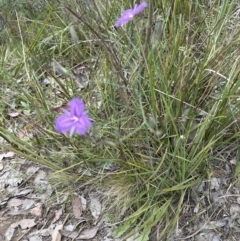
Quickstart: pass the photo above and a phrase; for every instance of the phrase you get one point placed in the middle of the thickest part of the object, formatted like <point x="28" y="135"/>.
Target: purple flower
<point x="128" y="14"/>
<point x="73" y="120"/>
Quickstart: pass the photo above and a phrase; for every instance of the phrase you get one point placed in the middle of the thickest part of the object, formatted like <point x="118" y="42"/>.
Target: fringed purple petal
<point x="129" y="14"/>
<point x="63" y="123"/>
<point x="139" y="8"/>
<point x="76" y="107"/>
<point x="126" y="17"/>
<point x="72" y="130"/>
<point x="83" y="124"/>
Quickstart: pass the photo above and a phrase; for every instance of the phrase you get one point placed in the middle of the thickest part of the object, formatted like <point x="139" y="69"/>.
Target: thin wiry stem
<point x="149" y="29"/>
<point x="148" y="38"/>
<point x="112" y="53"/>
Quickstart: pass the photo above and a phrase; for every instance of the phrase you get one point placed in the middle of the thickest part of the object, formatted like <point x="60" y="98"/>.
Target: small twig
<point x="26" y="233"/>
<point x="78" y="233"/>
<point x="65" y="220"/>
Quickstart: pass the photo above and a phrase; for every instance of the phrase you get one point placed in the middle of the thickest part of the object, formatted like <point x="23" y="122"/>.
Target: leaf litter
<point x="25" y="213"/>
<point x="215" y="203"/>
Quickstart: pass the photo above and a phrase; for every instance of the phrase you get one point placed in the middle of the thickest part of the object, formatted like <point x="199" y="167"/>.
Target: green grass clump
<point x="162" y="92"/>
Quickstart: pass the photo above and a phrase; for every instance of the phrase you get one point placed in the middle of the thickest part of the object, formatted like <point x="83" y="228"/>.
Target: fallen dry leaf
<point x="34" y="238"/>
<point x="24" y="192"/>
<point x="13" y="114"/>
<point x="84" y="203"/>
<point x="43" y="232"/>
<point x="38" y="210"/>
<point x="14" y="202"/>
<point x="27" y="112"/>
<point x="58" y="214"/>
<point x="56" y="235"/>
<point x="9" y="233"/>
<point x="17" y="212"/>
<point x="68" y="231"/>
<point x="40" y="177"/>
<point x="215" y="183"/>
<point x="27" y="204"/>
<point x="95" y="206"/>
<point x="69" y="227"/>
<point x="21" y="134"/>
<point x="32" y="170"/>
<point x="88" y="233"/>
<point x="8" y="154"/>
<point x="24" y="223"/>
<point x="69" y="234"/>
<point x="77" y="206"/>
<point x="234" y="208"/>
<point x="14" y="182"/>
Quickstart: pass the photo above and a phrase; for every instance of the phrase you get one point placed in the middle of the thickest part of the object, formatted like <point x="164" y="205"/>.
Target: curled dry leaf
<point x="23" y="192"/>
<point x="88" y="233"/>
<point x="56" y="235"/>
<point x="69" y="234"/>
